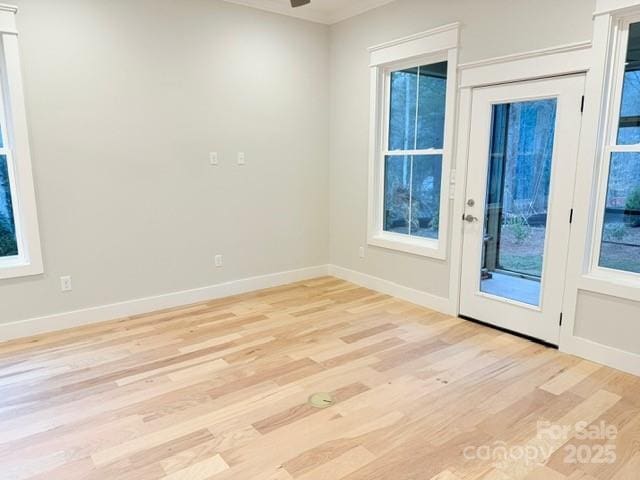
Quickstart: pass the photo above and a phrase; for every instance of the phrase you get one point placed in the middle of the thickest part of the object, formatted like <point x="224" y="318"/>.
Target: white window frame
<point x="433" y="46"/>
<point x="16" y="148"/>
<point x="619" y="36"/>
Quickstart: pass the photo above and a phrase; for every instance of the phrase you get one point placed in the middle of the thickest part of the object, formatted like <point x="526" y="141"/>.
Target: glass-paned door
<point x="521" y="168"/>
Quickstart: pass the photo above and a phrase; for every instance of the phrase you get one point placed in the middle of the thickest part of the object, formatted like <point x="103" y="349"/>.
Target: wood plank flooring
<point x="219" y="391"/>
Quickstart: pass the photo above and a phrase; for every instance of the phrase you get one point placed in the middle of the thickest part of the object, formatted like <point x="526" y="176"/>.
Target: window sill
<point x="423" y="247"/>
<point x="612" y="283"/>
<point x="16" y="268"/>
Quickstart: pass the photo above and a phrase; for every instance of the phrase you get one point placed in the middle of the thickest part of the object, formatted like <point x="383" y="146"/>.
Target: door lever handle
<point x="470" y="218"/>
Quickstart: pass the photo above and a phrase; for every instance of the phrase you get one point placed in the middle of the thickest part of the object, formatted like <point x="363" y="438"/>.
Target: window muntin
<point x="412" y="173"/>
<point x="620" y="234"/>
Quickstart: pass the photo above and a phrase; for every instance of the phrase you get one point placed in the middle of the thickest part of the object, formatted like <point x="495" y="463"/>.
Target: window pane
<point x="621" y="236"/>
<point x="412" y="195"/>
<point x="425" y="195"/>
<point x="629" y="131"/>
<point x="403" y="109"/>
<point x="519" y="175"/>
<point x="431" y="106"/>
<point x="397" y="181"/>
<point x="8" y="241"/>
<point x="417" y="107"/>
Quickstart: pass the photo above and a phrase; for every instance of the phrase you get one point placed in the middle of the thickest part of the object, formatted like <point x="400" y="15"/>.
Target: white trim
<point x="425" y="247"/>
<point x="12" y="107"/>
<point x="437" y="45"/>
<point x="540" y="321"/>
<point x="610" y="117"/>
<point x="604" y="7"/>
<point x="8" y="19"/>
<point x="416" y="37"/>
<point x="603" y="354"/>
<point x="570" y="47"/>
<point x="596" y="65"/>
<point x="465" y="102"/>
<point x="611" y="284"/>
<point x="405" y="153"/>
<point x="612" y="357"/>
<point x="430" y="42"/>
<point x="423" y="299"/>
<point x="350" y="9"/>
<point x="548" y="62"/>
<point x="596" y="93"/>
<point x="562" y="60"/>
<point x="609" y="149"/>
<point x="66" y="320"/>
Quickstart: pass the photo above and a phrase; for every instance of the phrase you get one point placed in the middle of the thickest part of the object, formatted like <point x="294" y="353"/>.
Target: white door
<point x="523" y="150"/>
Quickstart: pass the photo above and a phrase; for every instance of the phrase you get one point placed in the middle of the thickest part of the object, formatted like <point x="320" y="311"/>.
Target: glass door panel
<point x="517" y="199"/>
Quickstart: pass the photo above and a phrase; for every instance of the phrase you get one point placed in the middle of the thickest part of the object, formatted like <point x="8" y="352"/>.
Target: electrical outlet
<point x="213" y="158"/>
<point x="219" y="261"/>
<point x="361" y="252"/>
<point x="65" y="284"/>
<point x="241" y="158"/>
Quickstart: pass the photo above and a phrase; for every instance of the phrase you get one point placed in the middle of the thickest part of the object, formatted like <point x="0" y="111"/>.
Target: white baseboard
<point x="587" y="349"/>
<point x="596" y="352"/>
<point x="63" y="321"/>
<point x="418" y="297"/>
<point x="581" y="347"/>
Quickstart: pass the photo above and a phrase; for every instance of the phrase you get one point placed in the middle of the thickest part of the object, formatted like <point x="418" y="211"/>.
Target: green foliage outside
<point x="615" y="231"/>
<point x="518" y="227"/>
<point x="8" y="244"/>
<point x="633" y="208"/>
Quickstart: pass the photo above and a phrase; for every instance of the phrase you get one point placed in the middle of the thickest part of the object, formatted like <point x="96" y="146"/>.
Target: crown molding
<point x="8" y="19"/>
<point x="8" y="8"/>
<point x="417" y="36"/>
<point x="604" y="7"/>
<point x="431" y="42"/>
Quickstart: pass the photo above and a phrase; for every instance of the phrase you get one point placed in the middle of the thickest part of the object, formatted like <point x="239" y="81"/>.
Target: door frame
<point x="536" y="320"/>
<point x="548" y="63"/>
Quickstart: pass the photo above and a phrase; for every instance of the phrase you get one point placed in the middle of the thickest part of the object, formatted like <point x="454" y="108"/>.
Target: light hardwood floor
<point x="219" y="391"/>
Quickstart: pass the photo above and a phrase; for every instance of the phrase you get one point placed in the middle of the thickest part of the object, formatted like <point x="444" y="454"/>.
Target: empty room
<point x="320" y="239"/>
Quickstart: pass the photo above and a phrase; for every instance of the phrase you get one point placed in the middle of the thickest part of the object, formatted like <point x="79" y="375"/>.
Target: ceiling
<point x="321" y="11"/>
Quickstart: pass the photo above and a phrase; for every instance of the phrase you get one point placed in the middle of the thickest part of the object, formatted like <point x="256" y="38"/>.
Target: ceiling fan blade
<point x="299" y="3"/>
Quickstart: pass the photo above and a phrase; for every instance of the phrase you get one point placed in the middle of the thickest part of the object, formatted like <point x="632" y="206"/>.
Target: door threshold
<point x="511" y="332"/>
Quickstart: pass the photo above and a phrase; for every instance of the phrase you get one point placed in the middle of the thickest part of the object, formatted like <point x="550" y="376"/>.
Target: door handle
<point x="470" y="218"/>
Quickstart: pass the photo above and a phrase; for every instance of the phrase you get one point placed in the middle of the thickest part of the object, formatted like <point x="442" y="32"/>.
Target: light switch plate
<point x="213" y="158"/>
<point x="65" y="284"/>
<point x="241" y="158"/>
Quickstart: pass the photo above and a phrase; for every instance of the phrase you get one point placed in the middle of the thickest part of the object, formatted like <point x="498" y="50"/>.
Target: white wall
<point x="490" y="28"/>
<point x="125" y="99"/>
<point x="608" y="320"/>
